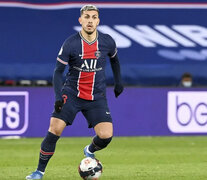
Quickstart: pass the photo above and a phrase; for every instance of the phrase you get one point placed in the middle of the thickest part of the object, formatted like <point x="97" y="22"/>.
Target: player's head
<point x="89" y="18"/>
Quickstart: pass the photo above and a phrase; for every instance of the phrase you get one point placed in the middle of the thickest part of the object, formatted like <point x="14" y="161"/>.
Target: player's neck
<point x="89" y="37"/>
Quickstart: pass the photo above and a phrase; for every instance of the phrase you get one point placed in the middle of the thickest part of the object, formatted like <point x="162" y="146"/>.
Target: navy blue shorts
<point x="94" y="111"/>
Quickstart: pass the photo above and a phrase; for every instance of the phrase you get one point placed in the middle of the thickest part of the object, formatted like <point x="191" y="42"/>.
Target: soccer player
<point x="84" y="89"/>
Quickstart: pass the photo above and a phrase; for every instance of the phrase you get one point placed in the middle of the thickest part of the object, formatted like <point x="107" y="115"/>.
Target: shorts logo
<point x="13" y="112"/>
<point x="187" y="112"/>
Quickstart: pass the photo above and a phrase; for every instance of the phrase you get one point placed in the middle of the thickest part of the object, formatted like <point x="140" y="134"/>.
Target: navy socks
<point x="98" y="144"/>
<point x="47" y="150"/>
<point x="49" y="143"/>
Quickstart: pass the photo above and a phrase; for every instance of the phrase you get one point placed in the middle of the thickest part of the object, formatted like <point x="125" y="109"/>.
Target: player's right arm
<point x="62" y="62"/>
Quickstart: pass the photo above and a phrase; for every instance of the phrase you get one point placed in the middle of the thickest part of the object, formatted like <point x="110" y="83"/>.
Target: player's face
<point x="89" y="21"/>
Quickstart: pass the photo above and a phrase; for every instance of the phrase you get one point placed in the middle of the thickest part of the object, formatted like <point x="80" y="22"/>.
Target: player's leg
<point x="104" y="130"/>
<point x="49" y="143"/>
<point x="104" y="133"/>
<point x="48" y="146"/>
<point x="99" y="118"/>
<point x="57" y="125"/>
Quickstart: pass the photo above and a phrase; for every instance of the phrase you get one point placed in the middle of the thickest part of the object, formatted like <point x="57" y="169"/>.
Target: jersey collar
<point x="88" y="41"/>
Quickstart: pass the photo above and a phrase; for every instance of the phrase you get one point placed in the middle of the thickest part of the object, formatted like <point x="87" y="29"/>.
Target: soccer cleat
<point x="87" y="153"/>
<point x="35" y="175"/>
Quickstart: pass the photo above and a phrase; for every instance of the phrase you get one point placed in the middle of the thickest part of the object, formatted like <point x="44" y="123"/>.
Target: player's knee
<point x="56" y="126"/>
<point x="55" y="130"/>
<point x="105" y="134"/>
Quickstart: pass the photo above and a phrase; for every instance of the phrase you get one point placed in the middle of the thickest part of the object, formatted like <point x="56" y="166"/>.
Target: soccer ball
<point x="90" y="169"/>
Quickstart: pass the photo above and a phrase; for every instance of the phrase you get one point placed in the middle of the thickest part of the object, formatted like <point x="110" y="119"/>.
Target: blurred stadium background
<point x="158" y="42"/>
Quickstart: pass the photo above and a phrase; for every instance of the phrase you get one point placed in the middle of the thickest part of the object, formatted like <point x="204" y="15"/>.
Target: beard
<point x="89" y="32"/>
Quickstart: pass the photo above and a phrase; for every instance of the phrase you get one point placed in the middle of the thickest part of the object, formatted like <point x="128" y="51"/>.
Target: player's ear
<point x="80" y="20"/>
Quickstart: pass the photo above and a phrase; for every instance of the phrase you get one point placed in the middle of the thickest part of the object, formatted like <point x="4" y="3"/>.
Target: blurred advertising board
<point x="157" y="41"/>
<point x="137" y="112"/>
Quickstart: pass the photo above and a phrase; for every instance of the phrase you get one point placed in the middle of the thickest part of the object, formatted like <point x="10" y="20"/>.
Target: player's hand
<point x="118" y="89"/>
<point x="58" y="105"/>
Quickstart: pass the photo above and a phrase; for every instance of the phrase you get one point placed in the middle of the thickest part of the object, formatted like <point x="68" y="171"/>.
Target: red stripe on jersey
<point x="89" y="50"/>
<point x="86" y="83"/>
<point x="87" y="79"/>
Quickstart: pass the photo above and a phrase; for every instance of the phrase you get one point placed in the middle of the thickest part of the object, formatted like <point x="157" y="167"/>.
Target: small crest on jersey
<point x="98" y="54"/>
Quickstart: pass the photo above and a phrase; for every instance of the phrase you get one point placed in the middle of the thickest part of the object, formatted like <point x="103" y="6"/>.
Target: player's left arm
<point x="115" y="65"/>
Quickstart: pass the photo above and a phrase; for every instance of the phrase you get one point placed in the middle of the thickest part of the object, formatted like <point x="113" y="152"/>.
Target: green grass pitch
<point x="137" y="158"/>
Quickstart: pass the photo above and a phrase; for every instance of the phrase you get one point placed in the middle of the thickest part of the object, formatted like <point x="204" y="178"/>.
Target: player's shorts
<point x="95" y="112"/>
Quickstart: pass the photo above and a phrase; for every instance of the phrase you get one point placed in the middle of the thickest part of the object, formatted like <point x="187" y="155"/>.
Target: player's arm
<point x="115" y="65"/>
<point x="57" y="84"/>
<point x="62" y="61"/>
<point x="58" y="80"/>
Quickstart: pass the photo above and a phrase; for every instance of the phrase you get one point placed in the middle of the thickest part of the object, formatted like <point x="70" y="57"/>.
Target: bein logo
<point x="187" y="112"/>
<point x="13" y="112"/>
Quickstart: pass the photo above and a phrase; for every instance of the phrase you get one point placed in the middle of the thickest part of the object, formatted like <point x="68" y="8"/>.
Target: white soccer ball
<point x="90" y="169"/>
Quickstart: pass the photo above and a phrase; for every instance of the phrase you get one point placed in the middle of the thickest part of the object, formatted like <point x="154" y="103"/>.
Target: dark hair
<point x="186" y="75"/>
<point x="89" y="7"/>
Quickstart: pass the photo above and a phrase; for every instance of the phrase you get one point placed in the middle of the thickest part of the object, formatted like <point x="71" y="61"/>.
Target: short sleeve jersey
<point x="86" y="60"/>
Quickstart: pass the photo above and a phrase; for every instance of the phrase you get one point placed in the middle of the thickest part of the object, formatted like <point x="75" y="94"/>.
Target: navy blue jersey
<point x="86" y="60"/>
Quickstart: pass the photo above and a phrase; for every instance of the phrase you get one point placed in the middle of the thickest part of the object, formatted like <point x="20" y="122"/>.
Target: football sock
<point x="47" y="150"/>
<point x="98" y="144"/>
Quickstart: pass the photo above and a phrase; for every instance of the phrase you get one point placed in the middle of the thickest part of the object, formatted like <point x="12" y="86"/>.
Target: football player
<point x="84" y="89"/>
